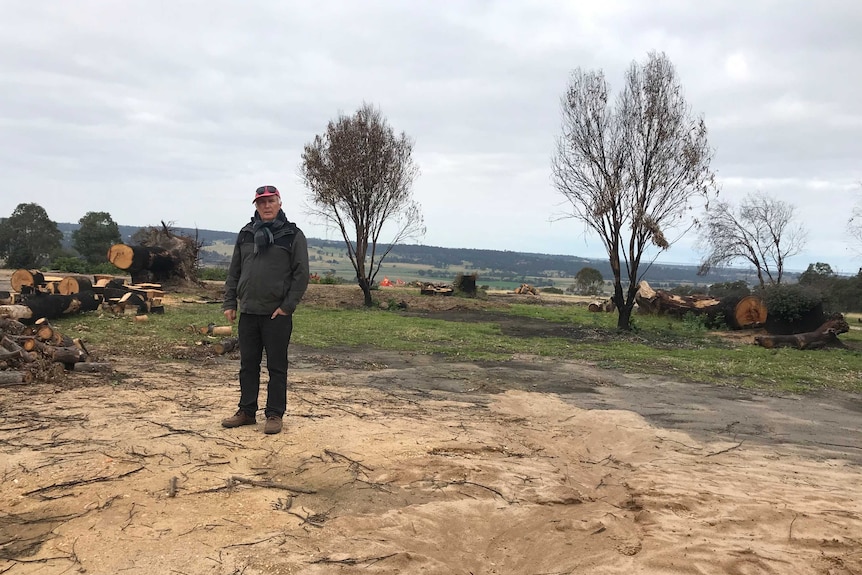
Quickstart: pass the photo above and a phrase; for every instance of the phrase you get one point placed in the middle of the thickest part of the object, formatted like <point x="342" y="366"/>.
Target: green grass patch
<point x="679" y="349"/>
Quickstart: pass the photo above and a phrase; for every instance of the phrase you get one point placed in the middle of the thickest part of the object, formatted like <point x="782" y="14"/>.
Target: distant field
<point x="335" y="262"/>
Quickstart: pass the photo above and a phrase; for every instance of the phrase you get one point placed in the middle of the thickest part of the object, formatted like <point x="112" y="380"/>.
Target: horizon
<point x="605" y="258"/>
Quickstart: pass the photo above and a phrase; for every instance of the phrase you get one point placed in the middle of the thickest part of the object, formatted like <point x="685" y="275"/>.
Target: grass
<point x="681" y="349"/>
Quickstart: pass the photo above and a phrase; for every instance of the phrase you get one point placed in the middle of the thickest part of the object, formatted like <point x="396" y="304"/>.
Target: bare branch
<point x="760" y="231"/>
<point x="360" y="176"/>
<point x="632" y="169"/>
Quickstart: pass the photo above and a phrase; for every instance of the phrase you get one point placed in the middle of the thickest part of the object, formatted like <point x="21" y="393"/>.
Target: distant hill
<point x="498" y="264"/>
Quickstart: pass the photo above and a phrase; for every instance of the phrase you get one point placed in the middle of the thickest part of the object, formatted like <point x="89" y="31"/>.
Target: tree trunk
<point x="734" y="311"/>
<point x="365" y="286"/>
<point x="824" y="336"/>
<point x="624" y="321"/>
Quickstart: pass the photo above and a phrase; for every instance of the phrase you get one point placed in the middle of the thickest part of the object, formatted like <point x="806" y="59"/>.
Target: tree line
<point x="30" y="239"/>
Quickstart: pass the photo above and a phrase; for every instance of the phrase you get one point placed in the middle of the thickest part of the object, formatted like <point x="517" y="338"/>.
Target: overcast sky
<point x="177" y="110"/>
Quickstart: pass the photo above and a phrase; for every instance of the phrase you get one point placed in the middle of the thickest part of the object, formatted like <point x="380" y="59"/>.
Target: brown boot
<point x="240" y="418"/>
<point x="273" y="424"/>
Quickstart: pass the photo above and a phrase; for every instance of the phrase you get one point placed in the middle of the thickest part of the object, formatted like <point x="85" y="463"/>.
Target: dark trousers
<point x="259" y="333"/>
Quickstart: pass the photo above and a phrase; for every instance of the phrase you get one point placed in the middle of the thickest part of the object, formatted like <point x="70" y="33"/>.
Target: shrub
<point x="70" y="264"/>
<point x="729" y="289"/>
<point x="553" y="290"/>
<point x="212" y="274"/>
<point x="76" y="265"/>
<point x="792" y="308"/>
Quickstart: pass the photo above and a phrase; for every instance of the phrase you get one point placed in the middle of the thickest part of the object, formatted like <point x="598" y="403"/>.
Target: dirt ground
<point x="401" y="463"/>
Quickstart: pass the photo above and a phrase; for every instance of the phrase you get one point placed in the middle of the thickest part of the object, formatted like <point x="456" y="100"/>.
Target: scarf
<point x="266" y="232"/>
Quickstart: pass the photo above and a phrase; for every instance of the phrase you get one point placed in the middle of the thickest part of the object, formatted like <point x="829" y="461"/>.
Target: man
<point x="268" y="275"/>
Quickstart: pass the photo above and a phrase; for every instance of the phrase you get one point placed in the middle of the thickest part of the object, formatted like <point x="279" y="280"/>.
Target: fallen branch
<point x="75" y="482"/>
<point x="725" y="450"/>
<point x="351" y="560"/>
<point x="235" y="479"/>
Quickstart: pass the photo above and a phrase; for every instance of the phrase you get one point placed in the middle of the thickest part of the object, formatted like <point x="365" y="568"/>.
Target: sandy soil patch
<point x="378" y="472"/>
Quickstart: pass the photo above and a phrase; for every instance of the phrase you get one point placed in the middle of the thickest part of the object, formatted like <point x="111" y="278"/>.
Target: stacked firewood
<point x="40" y="352"/>
<point x="35" y="296"/>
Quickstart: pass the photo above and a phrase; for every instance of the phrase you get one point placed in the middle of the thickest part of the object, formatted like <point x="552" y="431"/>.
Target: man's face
<point x="268" y="207"/>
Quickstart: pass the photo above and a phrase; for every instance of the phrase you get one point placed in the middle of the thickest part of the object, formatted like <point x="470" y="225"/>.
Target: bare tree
<point x="360" y="176"/>
<point x="760" y="231"/>
<point x="632" y="169"/>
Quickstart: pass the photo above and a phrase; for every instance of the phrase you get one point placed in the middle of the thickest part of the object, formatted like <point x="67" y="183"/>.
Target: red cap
<point x="265" y="191"/>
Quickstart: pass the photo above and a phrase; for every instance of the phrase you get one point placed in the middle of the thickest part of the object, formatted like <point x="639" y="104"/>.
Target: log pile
<point x="436" y="289"/>
<point x="737" y="312"/>
<point x="526" y="289"/>
<point x="26" y="281"/>
<point x="39" y="352"/>
<point x="38" y="296"/>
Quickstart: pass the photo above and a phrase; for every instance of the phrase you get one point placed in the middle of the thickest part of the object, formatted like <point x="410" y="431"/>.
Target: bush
<point x="212" y="274"/>
<point x="737" y="289"/>
<point x="792" y="308"/>
<point x="70" y="264"/>
<point x="76" y="265"/>
<point x="553" y="290"/>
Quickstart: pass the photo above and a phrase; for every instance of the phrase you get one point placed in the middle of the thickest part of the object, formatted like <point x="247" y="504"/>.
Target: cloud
<point x="155" y="110"/>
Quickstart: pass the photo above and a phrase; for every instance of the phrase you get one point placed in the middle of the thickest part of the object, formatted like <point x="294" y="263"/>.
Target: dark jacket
<point x="269" y="273"/>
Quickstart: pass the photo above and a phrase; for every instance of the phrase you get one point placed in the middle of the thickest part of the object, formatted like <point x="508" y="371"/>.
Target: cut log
<point x="734" y="311"/>
<point x="44" y="330"/>
<point x="225" y="346"/>
<point x="22" y="278"/>
<point x="16" y="312"/>
<point x="74" y="284"/>
<point x="6" y="355"/>
<point x="92" y="367"/>
<point x="750" y="311"/>
<point x="32" y="344"/>
<point x="824" y="336"/>
<point x="51" y="306"/>
<point x="14" y="377"/>
<point x="9" y="345"/>
<point x="68" y="355"/>
<point x="213" y="329"/>
<point x="7" y="298"/>
<point x="89" y="300"/>
<point x="11" y="326"/>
